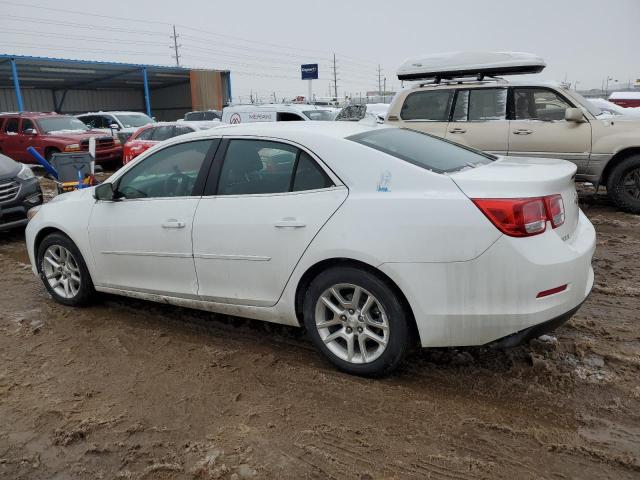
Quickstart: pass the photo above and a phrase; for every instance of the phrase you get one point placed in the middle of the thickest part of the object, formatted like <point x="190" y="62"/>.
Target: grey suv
<point x="19" y="191"/>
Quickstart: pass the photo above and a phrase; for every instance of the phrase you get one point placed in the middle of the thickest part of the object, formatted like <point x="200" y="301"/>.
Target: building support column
<point x="16" y="84"/>
<point x="147" y="99"/>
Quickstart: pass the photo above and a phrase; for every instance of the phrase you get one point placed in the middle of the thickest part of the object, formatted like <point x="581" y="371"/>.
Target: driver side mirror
<point x="574" y="115"/>
<point x="30" y="131"/>
<point x="104" y="192"/>
<point x="114" y="126"/>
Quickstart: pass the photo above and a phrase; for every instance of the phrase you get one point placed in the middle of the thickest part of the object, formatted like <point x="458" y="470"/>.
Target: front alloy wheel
<point x="352" y="323"/>
<point x="61" y="271"/>
<point x="623" y="184"/>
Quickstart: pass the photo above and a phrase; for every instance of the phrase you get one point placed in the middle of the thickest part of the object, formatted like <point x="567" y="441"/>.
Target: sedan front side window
<point x="171" y="172"/>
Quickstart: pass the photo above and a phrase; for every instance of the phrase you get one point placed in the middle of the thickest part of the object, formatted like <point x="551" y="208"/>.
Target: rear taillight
<point x="555" y="209"/>
<point x="522" y="217"/>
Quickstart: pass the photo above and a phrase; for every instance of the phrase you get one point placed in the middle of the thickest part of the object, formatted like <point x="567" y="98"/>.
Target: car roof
<point x="33" y="114"/>
<point x="287" y="129"/>
<point x="111" y="113"/>
<point x="298" y="107"/>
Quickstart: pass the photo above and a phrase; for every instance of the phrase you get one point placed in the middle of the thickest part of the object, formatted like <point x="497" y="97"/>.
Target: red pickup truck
<point x="49" y="133"/>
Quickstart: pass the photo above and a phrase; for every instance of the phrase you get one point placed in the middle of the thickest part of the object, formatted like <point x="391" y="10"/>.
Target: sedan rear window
<point x="421" y="149"/>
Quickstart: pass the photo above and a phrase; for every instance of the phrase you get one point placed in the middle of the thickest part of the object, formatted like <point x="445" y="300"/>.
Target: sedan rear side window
<point x="429" y="105"/>
<point x="256" y="167"/>
<point x="421" y="149"/>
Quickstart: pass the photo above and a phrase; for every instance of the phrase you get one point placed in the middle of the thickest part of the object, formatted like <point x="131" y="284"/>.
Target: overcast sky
<point x="263" y="43"/>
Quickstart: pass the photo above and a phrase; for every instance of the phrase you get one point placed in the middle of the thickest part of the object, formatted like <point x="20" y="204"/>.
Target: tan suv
<point x="532" y="120"/>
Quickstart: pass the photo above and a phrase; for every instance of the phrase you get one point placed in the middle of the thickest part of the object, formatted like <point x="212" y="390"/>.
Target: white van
<point x="275" y="112"/>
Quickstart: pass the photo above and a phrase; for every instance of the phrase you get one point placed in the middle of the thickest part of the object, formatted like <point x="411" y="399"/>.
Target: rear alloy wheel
<point x="355" y="319"/>
<point x="63" y="271"/>
<point x="623" y="185"/>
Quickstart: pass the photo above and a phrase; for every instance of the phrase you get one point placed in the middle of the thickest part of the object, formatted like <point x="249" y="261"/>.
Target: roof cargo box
<point x="467" y="64"/>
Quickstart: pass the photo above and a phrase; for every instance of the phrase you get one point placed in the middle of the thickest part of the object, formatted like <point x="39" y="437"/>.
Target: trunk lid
<point x="520" y="177"/>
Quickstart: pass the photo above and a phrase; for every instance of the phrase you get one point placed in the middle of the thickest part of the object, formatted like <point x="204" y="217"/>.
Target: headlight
<point x="33" y="211"/>
<point x="25" y="173"/>
<point x="74" y="147"/>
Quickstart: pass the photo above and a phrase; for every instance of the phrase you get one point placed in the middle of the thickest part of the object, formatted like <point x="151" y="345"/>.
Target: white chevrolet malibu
<point x="370" y="236"/>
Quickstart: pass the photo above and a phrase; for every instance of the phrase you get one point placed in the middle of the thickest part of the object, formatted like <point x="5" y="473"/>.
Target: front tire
<point x="623" y="185"/>
<point x="356" y="320"/>
<point x="63" y="271"/>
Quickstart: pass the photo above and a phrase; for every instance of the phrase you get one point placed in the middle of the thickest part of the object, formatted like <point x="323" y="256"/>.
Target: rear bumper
<point x="495" y="295"/>
<point x="109" y="155"/>
<point x="535" y="331"/>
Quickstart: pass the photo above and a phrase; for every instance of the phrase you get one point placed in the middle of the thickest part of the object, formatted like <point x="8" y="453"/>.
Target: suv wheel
<point x="623" y="185"/>
<point x="356" y="321"/>
<point x="48" y="154"/>
<point x="63" y="271"/>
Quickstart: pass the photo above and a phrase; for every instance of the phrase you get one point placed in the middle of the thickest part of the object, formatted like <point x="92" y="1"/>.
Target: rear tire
<point x="63" y="271"/>
<point x="623" y="185"/>
<point x="365" y="336"/>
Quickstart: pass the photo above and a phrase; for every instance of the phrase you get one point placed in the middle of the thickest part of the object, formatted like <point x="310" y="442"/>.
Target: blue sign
<point x="309" y="71"/>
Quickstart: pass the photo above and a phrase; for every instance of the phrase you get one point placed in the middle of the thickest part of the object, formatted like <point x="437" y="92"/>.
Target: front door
<point x="538" y="127"/>
<point x="268" y="200"/>
<point x="479" y="120"/>
<point x="142" y="240"/>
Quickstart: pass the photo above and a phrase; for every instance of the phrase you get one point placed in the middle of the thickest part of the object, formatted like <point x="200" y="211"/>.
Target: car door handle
<point x="523" y="131"/>
<point x="290" y="223"/>
<point x="457" y="130"/>
<point x="173" y="224"/>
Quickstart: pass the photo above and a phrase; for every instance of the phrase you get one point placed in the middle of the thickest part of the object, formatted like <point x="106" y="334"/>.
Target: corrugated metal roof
<point x="62" y="73"/>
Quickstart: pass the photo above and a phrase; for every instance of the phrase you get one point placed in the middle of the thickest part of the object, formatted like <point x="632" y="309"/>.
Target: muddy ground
<point x="128" y="389"/>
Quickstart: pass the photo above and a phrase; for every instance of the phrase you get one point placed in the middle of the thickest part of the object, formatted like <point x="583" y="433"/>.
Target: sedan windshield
<point x="326" y="115"/>
<point x="61" y="124"/>
<point x="139" y="120"/>
<point x="421" y="149"/>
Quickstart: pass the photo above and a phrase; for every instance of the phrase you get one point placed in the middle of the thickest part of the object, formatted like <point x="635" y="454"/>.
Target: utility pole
<point x="175" y="46"/>
<point x="335" y="78"/>
<point x="379" y="80"/>
<point x="384" y="91"/>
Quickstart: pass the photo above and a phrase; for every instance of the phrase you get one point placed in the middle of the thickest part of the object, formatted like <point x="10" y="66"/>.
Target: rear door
<point x="266" y="201"/>
<point x="9" y="141"/>
<point x="427" y="111"/>
<point x="479" y="120"/>
<point x="538" y="127"/>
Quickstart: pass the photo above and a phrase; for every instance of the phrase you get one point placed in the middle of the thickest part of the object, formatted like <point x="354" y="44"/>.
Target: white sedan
<point x="370" y="236"/>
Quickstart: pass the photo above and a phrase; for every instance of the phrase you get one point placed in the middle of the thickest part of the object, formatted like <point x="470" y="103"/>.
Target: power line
<point x="350" y="59"/>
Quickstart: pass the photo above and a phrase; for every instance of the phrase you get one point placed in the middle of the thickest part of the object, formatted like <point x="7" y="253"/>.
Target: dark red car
<point x="49" y="133"/>
<point x="146" y="137"/>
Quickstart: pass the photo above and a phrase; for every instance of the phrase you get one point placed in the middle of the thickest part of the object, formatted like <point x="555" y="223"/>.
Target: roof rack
<point x="480" y="78"/>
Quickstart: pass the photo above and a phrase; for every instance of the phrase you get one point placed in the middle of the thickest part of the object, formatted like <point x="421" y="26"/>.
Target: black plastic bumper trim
<point x="518" y="338"/>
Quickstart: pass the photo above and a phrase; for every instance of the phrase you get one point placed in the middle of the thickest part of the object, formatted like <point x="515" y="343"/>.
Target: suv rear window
<point x="429" y="105"/>
<point x="421" y="149"/>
